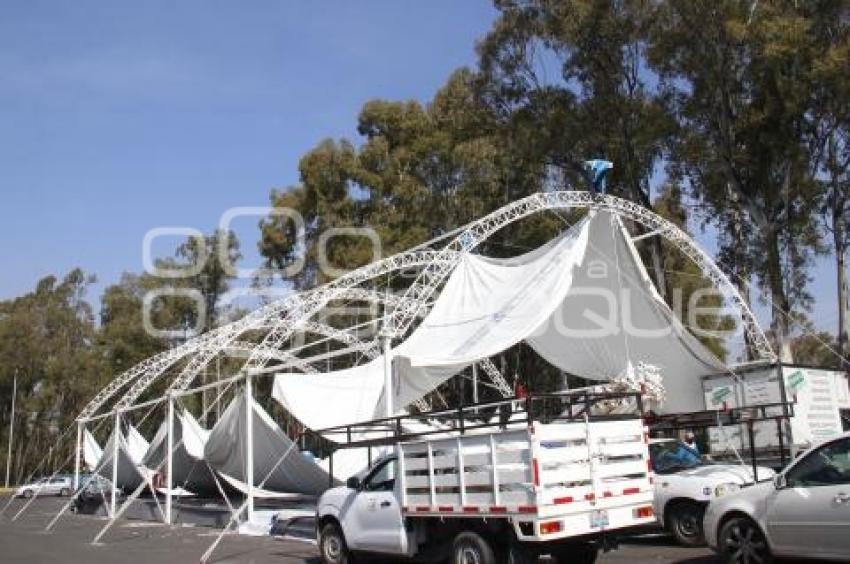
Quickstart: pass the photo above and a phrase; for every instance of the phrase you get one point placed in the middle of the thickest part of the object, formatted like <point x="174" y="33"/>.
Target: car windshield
<point x="673" y="456"/>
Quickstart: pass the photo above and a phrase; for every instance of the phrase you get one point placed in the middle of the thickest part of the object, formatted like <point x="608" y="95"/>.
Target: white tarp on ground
<point x="190" y="469"/>
<point x="584" y="302"/>
<point x="131" y="449"/>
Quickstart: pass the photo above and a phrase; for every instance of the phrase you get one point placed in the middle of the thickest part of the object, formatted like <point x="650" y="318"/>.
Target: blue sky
<point x="116" y="117"/>
<point x="119" y="117"/>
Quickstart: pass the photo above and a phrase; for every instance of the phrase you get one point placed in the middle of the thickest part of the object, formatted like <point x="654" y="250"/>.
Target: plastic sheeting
<point x="583" y="301"/>
<point x="190" y="469"/>
<point x="278" y="463"/>
<point x="131" y="449"/>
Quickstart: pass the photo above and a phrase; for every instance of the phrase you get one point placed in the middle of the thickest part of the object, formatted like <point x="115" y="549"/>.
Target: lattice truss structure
<point x="270" y="337"/>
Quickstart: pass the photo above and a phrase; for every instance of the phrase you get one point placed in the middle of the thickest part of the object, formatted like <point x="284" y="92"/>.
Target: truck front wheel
<point x="471" y="548"/>
<point x="684" y="521"/>
<point x="332" y="545"/>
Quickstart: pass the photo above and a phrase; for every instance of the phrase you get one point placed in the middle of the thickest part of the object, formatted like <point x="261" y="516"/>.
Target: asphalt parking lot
<point x="141" y="542"/>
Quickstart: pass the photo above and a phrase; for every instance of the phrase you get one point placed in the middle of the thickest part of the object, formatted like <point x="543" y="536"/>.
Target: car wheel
<point x="65" y="492"/>
<point x="332" y="545"/>
<point x="742" y="542"/>
<point x="576" y="553"/>
<point x="471" y="548"/>
<point x="27" y="494"/>
<point x="684" y="521"/>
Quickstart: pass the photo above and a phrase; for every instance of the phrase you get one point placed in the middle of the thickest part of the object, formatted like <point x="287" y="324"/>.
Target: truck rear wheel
<point x="684" y="521"/>
<point x="332" y="545"/>
<point x="576" y="553"/>
<point x="472" y="548"/>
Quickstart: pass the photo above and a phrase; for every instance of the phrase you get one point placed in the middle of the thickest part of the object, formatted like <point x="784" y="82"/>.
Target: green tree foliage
<point x="420" y="171"/>
<point x="573" y="76"/>
<point x="46" y="339"/>
<point x="740" y="78"/>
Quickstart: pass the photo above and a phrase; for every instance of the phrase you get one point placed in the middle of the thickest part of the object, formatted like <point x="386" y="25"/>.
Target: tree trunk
<point x="778" y="296"/>
<point x="839" y="234"/>
<point x="740" y="263"/>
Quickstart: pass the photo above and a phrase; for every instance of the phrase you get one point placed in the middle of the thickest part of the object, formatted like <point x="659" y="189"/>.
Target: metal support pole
<point x="781" y="436"/>
<point x="249" y="444"/>
<point x="169" y="471"/>
<point x="116" y="437"/>
<point x="752" y="435"/>
<point x="11" y="426"/>
<point x="388" y="375"/>
<point x="77" y="455"/>
<point x="474" y="383"/>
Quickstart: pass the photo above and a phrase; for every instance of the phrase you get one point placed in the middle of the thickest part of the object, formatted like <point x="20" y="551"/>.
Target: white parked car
<point x="685" y="483"/>
<point x="804" y="511"/>
<point x="59" y="485"/>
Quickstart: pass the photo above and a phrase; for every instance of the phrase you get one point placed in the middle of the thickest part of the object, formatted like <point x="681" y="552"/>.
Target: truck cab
<point x="686" y="482"/>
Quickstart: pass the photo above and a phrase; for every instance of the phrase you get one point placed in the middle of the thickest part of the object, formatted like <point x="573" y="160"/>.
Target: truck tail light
<point x="550" y="527"/>
<point x="643" y="512"/>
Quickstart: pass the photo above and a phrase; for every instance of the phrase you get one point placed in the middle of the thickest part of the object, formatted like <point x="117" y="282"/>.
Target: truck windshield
<point x="673" y="456"/>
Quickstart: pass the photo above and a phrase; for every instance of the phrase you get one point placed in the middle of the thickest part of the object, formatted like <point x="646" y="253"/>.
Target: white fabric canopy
<point x="131" y="449"/>
<point x="278" y="463"/>
<point x="92" y="453"/>
<point x="583" y="301"/>
<point x="190" y="469"/>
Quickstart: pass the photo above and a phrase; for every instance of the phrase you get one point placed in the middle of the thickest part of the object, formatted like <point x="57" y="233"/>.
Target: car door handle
<point x="842" y="498"/>
<point x="386" y="503"/>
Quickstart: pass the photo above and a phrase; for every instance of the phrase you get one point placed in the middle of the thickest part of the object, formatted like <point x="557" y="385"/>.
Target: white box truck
<point x="821" y="399"/>
<point x="558" y="488"/>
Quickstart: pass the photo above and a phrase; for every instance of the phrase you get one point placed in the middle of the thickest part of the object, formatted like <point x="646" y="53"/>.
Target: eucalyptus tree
<point x="738" y="75"/>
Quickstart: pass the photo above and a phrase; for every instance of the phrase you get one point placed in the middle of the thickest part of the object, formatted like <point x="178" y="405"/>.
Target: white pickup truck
<point x="685" y="483"/>
<point x="553" y="488"/>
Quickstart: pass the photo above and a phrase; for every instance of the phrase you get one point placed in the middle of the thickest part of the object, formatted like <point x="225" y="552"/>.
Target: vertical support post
<point x="752" y="437"/>
<point x="781" y="436"/>
<point x="331" y="469"/>
<point x="169" y="465"/>
<point x="77" y="456"/>
<point x="474" y="383"/>
<point x="249" y="444"/>
<point x="388" y="374"/>
<point x="116" y="438"/>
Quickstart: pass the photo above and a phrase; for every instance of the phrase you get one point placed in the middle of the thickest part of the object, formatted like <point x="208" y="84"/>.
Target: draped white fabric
<point x="190" y="469"/>
<point x="131" y="449"/>
<point x="584" y="302"/>
<point x="278" y="463"/>
<point x="92" y="453"/>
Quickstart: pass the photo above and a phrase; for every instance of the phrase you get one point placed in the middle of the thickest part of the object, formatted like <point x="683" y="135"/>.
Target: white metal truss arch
<point x="282" y="318"/>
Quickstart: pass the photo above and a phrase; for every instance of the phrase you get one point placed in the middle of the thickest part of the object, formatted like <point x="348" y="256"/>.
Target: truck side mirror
<point x="353" y="483"/>
<point x="779" y="482"/>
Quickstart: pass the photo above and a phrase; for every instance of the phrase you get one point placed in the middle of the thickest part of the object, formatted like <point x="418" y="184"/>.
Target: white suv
<point x="803" y="512"/>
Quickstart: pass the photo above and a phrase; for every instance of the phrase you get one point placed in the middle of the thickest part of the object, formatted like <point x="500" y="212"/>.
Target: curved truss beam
<point x="287" y="315"/>
<point x="294" y="310"/>
<point x="497" y="378"/>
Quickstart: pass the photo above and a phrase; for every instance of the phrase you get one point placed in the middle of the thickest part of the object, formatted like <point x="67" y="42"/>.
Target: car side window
<point x="827" y="466"/>
<point x="382" y="479"/>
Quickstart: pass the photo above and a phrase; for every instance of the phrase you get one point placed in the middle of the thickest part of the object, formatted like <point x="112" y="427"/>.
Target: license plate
<point x="598" y="519"/>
